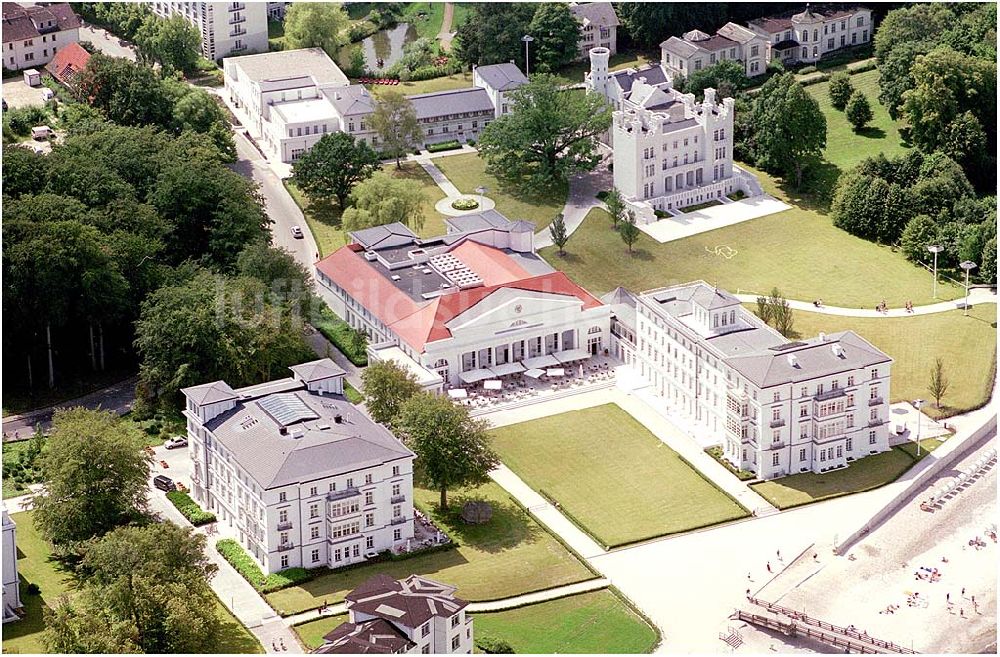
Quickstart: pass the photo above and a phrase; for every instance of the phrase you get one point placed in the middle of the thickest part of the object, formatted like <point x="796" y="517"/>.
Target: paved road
<point x="446" y="34"/>
<point x="583" y="189"/>
<point x="118" y="398"/>
<point x="977" y="295"/>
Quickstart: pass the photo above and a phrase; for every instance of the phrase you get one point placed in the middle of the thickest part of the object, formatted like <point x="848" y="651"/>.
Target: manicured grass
<point x="468" y="171"/>
<point x="588" y="623"/>
<point x="966" y="344"/>
<point x="35" y="565"/>
<point x="846" y="148"/>
<point x="510" y="555"/>
<point x="612" y="475"/>
<point x="323" y="216"/>
<point x="861" y="475"/>
<point x="352" y="394"/>
<point x="443" y="83"/>
<point x="459" y="14"/>
<point x="311" y="634"/>
<point x="799" y="250"/>
<point x="430" y="24"/>
<point x="573" y="74"/>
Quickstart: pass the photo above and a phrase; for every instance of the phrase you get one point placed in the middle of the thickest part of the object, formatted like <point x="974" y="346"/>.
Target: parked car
<point x="164" y="483"/>
<point x="297" y="232"/>
<point x="41" y="132"/>
<point x="175" y="442"/>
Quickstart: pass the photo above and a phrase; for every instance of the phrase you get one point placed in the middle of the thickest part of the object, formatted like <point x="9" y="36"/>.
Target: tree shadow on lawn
<point x="509" y="527"/>
<point x="871" y="132"/>
<point x="818" y="182"/>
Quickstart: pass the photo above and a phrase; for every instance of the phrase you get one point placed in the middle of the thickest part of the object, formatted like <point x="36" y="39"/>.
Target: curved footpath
<point x="976" y="296"/>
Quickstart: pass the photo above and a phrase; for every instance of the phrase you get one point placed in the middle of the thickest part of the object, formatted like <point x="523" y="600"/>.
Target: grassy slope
<point x="467" y="172"/>
<point x="967" y="345"/>
<point x="798" y="250"/>
<point x="589" y="623"/>
<point x="36" y="566"/>
<point x="644" y="490"/>
<point x="508" y="556"/>
<point x="323" y="217"/>
<point x="861" y="475"/>
<point x="428" y="26"/>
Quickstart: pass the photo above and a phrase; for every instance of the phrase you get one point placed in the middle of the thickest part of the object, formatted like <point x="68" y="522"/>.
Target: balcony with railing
<point x="875" y="401"/>
<point x="830" y="394"/>
<point x="777" y="444"/>
<point x="284" y="547"/>
<point x="237" y="6"/>
<point x="282" y="526"/>
<point x="342" y="494"/>
<point x="397" y="498"/>
<point x="398" y="520"/>
<point x="876" y="422"/>
<point x="238" y="32"/>
<point x="780" y="422"/>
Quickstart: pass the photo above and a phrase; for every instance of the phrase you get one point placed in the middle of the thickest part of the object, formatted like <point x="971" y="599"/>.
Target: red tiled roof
<point x="491" y="265"/>
<point x="418" y="323"/>
<point x="69" y="61"/>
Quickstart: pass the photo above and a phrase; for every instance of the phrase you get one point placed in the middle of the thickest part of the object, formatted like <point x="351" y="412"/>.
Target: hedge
<point x="190" y="509"/>
<point x="338" y="332"/>
<point x="716" y="453"/>
<point x="444" y="146"/>
<point x="251" y="572"/>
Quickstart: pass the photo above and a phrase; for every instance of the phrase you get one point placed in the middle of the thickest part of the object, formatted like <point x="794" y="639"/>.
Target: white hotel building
<point x="471" y="305"/>
<point x="11" y="580"/>
<point x="777" y="407"/>
<point x="296" y="473"/>
<point x="227" y="28"/>
<point x="669" y="150"/>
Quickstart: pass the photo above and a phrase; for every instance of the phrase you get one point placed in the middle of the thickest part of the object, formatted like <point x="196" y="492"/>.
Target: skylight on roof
<point x="287" y="409"/>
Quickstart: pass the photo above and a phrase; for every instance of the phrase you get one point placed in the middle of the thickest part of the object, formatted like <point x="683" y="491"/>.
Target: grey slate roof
<point x="288" y="64"/>
<point x="317" y="370"/>
<point x="455" y="101"/>
<point x="351" y="101"/>
<point x="736" y="32"/>
<point x="385" y="236"/>
<point x="479" y="221"/>
<point x="654" y="73"/>
<point x="596" y="13"/>
<point x="522" y="226"/>
<point x="622" y="304"/>
<point x="502" y="77"/>
<point x="409" y="602"/>
<point x="679" y="47"/>
<point x="312" y="448"/>
<point x="210" y="393"/>
<point x="373" y="637"/>
<point x="813" y="359"/>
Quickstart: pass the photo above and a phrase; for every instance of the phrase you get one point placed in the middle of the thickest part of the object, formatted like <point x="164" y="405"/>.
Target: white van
<point x="47" y="94"/>
<point x="41" y="132"/>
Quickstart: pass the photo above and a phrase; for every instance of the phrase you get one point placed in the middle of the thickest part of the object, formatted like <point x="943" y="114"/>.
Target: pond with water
<point x="382" y="49"/>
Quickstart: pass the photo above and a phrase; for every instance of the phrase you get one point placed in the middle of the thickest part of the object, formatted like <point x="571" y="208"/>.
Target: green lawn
<point x="35" y="565"/>
<point x="510" y="555"/>
<point x="11" y="453"/>
<point x="443" y="83"/>
<point x="588" y="623"/>
<point x="429" y="25"/>
<point x="861" y="475"/>
<point x="846" y="148"/>
<point x="612" y="475"/>
<point x="967" y="345"/>
<point x="323" y="216"/>
<point x="799" y="250"/>
<point x="467" y="172"/>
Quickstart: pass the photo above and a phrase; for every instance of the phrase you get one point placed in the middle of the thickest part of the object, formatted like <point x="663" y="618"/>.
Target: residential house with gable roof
<point x="414" y="615"/>
<point x="697" y="51"/>
<point x="815" y="32"/>
<point x="598" y="26"/>
<point x="296" y="473"/>
<point x="33" y="35"/>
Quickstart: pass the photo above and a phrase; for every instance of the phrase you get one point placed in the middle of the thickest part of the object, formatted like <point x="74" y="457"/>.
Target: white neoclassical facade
<point x="11" y="580"/>
<point x="296" y="473"/>
<point x="474" y="304"/>
<point x="670" y="151"/>
<point x="776" y="406"/>
<point x="813" y="33"/>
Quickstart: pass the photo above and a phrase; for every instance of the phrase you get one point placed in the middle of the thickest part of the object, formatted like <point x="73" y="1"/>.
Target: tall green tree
<point x="920" y="232"/>
<point x="988" y="268"/>
<point x="727" y="77"/>
<point x="96" y="473"/>
<point x="858" y="111"/>
<point x="383" y="199"/>
<point x="840" y="89"/>
<point x="316" y="24"/>
<point x="557" y="37"/>
<point x="125" y="92"/>
<point x="628" y="231"/>
<point x="649" y="23"/>
<point x="395" y="122"/>
<point x="452" y="448"/>
<point x="557" y="231"/>
<point x="616" y="206"/>
<point x="148" y="583"/>
<point x="790" y="128"/>
<point x="547" y="136"/>
<point x="173" y="43"/>
<point x="386" y="387"/>
<point x="491" y="34"/>
<point x="288" y="282"/>
<point x="333" y="166"/>
<point x="939" y="383"/>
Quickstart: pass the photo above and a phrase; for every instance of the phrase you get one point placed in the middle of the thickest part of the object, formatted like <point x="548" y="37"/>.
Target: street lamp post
<point x="935" y="249"/>
<point x="481" y="191"/>
<point x="968" y="266"/>
<point x="918" y="403"/>
<point x="527" y="38"/>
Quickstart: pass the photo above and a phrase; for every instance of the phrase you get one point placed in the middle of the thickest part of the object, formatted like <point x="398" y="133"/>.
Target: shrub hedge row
<point x="251" y="572"/>
<point x="716" y="453"/>
<point x="338" y="332"/>
<point x="444" y="146"/>
<point x="190" y="509"/>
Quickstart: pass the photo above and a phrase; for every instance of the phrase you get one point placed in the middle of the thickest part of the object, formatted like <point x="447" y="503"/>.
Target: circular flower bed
<point x="465" y="204"/>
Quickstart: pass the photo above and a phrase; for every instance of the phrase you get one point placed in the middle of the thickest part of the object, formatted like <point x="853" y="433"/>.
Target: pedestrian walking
<point x="769" y="567"/>
<point x="274" y="646"/>
<point x="973" y="599"/>
<point x="963" y="591"/>
<point x="961" y="612"/>
<point x="748" y="593"/>
<point x="947" y="598"/>
<point x="749" y="579"/>
<point x="779" y="555"/>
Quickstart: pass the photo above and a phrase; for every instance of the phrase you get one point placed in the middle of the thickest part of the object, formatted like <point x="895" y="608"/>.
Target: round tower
<point x="599" y="58"/>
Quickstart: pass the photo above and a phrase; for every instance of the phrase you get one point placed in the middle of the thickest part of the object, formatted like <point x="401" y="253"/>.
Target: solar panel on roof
<point x="789" y="345"/>
<point x="287" y="409"/>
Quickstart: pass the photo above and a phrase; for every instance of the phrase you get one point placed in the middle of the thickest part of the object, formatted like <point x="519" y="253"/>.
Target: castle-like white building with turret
<point x="670" y="152"/>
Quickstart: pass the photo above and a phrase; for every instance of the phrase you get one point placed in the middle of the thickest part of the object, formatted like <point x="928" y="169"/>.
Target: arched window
<point x="441" y="362"/>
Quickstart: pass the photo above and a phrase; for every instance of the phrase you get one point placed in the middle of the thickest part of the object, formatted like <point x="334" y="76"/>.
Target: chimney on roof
<point x="283" y="431"/>
<point x="793" y="360"/>
<point x="338" y="419"/>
